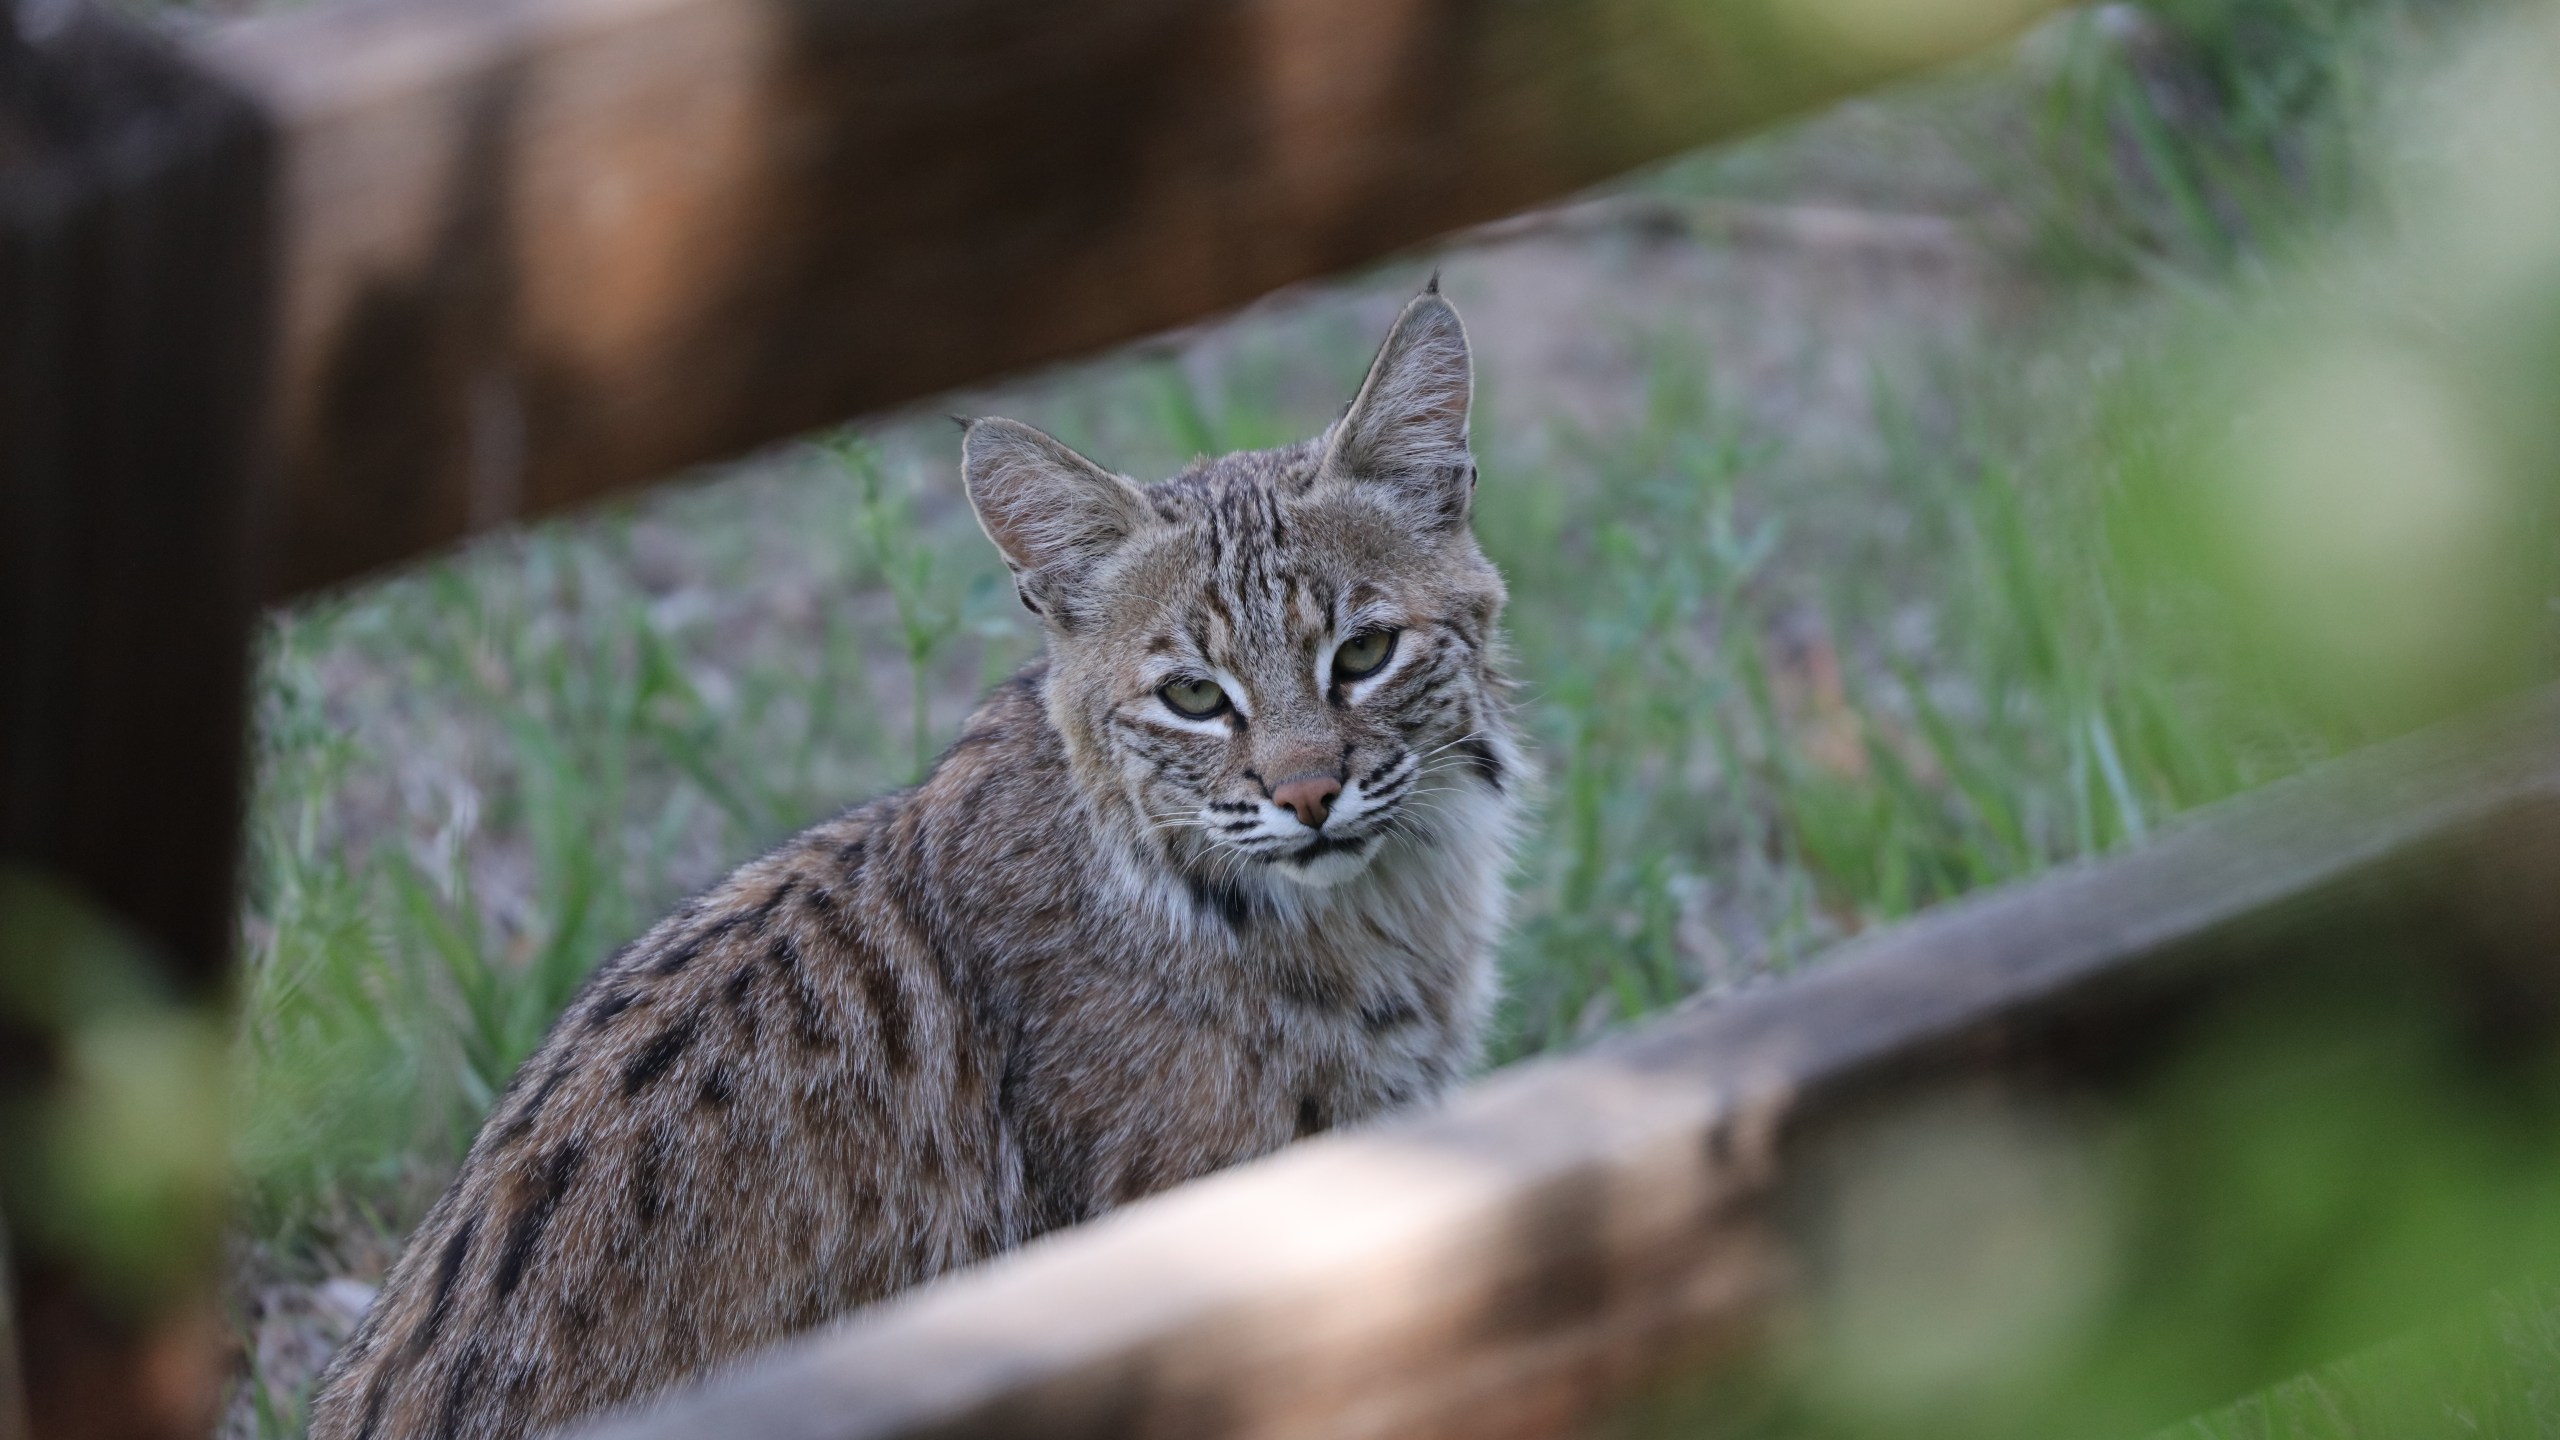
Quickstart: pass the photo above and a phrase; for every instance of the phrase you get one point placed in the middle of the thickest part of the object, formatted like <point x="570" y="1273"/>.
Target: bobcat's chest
<point x="1141" y="1084"/>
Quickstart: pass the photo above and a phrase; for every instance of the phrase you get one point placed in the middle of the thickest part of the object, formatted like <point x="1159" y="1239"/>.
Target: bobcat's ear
<point x="1407" y="429"/>
<point x="1054" y="514"/>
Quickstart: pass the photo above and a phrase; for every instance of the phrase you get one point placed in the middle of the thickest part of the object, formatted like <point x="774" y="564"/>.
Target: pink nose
<point x="1309" y="797"/>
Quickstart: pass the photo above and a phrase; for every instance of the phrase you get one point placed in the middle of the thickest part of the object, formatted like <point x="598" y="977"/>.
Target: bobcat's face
<point x="1282" y="660"/>
<point x="1288" y="704"/>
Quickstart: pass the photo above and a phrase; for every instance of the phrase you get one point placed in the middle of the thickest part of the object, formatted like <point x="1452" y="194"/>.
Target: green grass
<point x="2496" y="1373"/>
<point x="1774" y="706"/>
<point x="598" y="743"/>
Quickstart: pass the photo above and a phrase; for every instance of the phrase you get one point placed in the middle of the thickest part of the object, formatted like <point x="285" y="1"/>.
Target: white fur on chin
<point x="1326" y="870"/>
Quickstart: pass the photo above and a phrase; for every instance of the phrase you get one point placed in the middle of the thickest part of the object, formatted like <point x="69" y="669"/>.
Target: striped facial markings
<point x="1266" y="622"/>
<point x="1414" y="704"/>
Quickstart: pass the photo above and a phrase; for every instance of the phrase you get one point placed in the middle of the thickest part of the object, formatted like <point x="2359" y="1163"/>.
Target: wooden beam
<point x="1550" y="1250"/>
<point x="134" y="230"/>
<point x="542" y="250"/>
<point x="135" y="249"/>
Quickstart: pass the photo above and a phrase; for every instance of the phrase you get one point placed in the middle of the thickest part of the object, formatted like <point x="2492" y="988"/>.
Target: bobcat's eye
<point x="1198" y="699"/>
<point x="1363" y="653"/>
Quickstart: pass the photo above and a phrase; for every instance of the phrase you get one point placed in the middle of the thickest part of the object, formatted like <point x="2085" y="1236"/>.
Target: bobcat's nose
<point x="1309" y="797"/>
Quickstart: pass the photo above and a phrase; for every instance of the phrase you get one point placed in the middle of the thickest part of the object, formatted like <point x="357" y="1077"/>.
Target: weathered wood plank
<point x="540" y="250"/>
<point x="1531" y="1258"/>
<point x="134" y="215"/>
<point x="134" y="264"/>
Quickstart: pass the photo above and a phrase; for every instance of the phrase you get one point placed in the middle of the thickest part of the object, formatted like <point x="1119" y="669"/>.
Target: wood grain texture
<point x="134" y="215"/>
<point x="1531" y="1258"/>
<point x="134" y="230"/>
<point x="540" y="250"/>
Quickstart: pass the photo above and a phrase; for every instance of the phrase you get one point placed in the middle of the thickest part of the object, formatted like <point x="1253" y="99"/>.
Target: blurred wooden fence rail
<point x="286" y="299"/>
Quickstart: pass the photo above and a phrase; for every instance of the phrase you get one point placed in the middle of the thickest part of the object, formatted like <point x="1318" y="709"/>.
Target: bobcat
<point x="1223" y="869"/>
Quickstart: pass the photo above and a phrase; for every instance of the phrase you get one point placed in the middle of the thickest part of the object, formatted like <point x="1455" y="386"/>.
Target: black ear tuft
<point x="1432" y="285"/>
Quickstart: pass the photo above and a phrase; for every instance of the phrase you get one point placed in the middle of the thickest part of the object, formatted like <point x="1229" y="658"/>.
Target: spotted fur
<point x="1089" y="957"/>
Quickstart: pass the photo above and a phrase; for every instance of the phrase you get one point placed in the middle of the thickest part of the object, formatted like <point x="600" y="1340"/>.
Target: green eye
<point x="1363" y="653"/>
<point x="1198" y="699"/>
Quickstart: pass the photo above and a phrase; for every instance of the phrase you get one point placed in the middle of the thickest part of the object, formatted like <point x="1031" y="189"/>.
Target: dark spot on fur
<point x="888" y="1000"/>
<point x="526" y="1230"/>
<point x="1394" y="1015"/>
<point x="715" y="1090"/>
<point x="649" y="1177"/>
<point x="852" y="853"/>
<point x="1481" y="757"/>
<point x="448" y="1268"/>
<point x="1215" y="603"/>
<point x="1228" y="903"/>
<point x="1314" y="1117"/>
<point x="680" y="956"/>
<point x="694" y="944"/>
<point x="654" y="1057"/>
<point x="609" y="1004"/>
<point x="914" y="912"/>
<point x="740" y="981"/>
<point x="458" y="1391"/>
<point x="773" y="902"/>
<point x="809" y="1019"/>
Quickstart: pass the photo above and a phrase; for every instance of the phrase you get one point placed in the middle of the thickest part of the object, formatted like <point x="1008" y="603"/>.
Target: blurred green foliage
<point x="2333" y="1156"/>
<point x="117" y="1164"/>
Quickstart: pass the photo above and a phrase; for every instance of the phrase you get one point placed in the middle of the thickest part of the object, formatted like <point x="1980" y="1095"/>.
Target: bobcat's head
<point x="1281" y="662"/>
